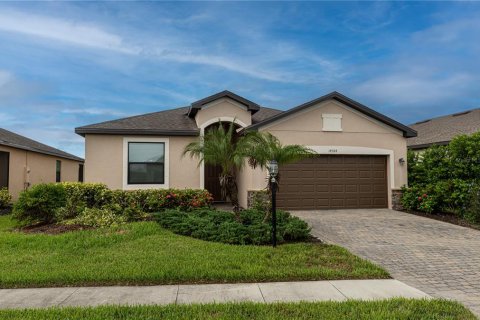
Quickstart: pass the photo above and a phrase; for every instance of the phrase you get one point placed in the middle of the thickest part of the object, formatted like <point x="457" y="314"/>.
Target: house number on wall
<point x="332" y="150"/>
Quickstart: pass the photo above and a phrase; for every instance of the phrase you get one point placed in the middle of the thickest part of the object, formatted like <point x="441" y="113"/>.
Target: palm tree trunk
<point x="228" y="184"/>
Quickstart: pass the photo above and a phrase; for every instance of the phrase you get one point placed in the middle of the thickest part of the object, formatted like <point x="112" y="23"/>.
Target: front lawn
<point x="143" y="253"/>
<point x="387" y="309"/>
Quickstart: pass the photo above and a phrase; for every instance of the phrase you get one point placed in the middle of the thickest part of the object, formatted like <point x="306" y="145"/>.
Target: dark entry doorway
<point x="4" y="167"/>
<point x="212" y="173"/>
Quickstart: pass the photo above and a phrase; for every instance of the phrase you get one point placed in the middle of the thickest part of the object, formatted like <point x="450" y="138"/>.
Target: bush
<point x="444" y="178"/>
<point x="221" y="226"/>
<point x="98" y="218"/>
<point x="43" y="206"/>
<point x="39" y="204"/>
<point x="5" y="198"/>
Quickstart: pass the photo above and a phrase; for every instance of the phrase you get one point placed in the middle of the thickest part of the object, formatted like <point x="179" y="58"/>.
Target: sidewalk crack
<point x="260" y="289"/>
<point x="338" y="290"/>
<point x="176" y="296"/>
<point x="68" y="297"/>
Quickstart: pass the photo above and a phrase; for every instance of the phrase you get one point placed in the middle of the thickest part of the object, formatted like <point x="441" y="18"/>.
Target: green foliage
<point x="444" y="178"/>
<point x="221" y="226"/>
<point x="5" y="198"/>
<point x="39" y="204"/>
<point x="395" y="308"/>
<point x="52" y="202"/>
<point x="98" y="218"/>
<point x="144" y="253"/>
<point x="473" y="212"/>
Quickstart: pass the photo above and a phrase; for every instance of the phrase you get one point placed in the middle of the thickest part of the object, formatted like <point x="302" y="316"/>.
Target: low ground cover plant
<point x="446" y="179"/>
<point x="93" y="204"/>
<point x="396" y="308"/>
<point x="249" y="227"/>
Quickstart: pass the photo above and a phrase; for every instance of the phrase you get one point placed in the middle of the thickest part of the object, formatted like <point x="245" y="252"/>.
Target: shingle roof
<point x="443" y="129"/>
<point x="11" y="139"/>
<point x="168" y="122"/>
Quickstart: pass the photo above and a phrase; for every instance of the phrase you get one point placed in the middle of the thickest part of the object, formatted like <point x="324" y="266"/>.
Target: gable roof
<point x="407" y="132"/>
<point x="197" y="105"/>
<point x="11" y="139"/>
<point x="442" y="130"/>
<point x="174" y="122"/>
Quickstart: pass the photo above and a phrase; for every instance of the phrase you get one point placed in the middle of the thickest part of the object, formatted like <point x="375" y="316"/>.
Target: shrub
<point x="133" y="205"/>
<point x="473" y="211"/>
<point x="98" y="218"/>
<point x="5" y="198"/>
<point x="221" y="226"/>
<point x="39" y="204"/>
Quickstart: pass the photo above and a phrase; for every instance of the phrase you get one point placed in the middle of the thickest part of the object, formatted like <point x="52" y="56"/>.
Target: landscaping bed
<point x="144" y="253"/>
<point x="447" y="217"/>
<point x="386" y="309"/>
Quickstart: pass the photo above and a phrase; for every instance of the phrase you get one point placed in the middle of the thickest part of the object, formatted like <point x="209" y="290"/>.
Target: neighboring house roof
<point x="11" y="139"/>
<point x="443" y="129"/>
<point x="407" y="132"/>
<point x="197" y="105"/>
<point x="180" y="121"/>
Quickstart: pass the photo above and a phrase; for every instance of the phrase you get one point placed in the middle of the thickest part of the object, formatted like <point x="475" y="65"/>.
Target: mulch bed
<point x="53" y="228"/>
<point x="446" y="217"/>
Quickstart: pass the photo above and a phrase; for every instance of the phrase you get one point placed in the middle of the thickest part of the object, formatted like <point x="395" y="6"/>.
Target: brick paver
<point x="438" y="258"/>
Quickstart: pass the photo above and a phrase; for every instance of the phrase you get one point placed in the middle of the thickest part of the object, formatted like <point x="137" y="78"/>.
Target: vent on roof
<point x="424" y="121"/>
<point x="461" y="113"/>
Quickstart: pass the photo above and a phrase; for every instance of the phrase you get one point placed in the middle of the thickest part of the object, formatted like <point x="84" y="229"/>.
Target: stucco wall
<point x="357" y="131"/>
<point x="104" y="161"/>
<point x="42" y="169"/>
<point x="223" y="108"/>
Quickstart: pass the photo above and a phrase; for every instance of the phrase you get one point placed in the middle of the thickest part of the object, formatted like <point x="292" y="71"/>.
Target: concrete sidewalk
<point x="206" y="293"/>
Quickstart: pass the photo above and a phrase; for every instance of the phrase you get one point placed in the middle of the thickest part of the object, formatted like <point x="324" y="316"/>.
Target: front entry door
<point x="4" y="165"/>
<point x="212" y="183"/>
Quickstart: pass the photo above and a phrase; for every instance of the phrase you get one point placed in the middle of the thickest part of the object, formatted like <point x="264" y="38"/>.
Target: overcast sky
<point x="64" y="65"/>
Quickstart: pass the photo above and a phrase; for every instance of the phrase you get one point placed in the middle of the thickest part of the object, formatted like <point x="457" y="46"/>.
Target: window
<point x="332" y="122"/>
<point x="80" y="173"/>
<point x="146" y="163"/>
<point x="58" y="171"/>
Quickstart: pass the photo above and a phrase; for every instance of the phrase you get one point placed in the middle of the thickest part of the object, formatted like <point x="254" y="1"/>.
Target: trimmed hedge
<point x="57" y="202"/>
<point x="222" y="226"/>
<point x="5" y="198"/>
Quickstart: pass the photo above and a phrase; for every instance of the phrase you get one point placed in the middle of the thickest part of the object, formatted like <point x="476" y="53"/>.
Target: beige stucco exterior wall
<point x="357" y="131"/>
<point x="41" y="168"/>
<point x="104" y="161"/>
<point x="223" y="108"/>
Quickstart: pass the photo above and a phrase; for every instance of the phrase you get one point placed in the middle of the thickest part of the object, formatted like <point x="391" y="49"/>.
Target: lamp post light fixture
<point x="273" y="172"/>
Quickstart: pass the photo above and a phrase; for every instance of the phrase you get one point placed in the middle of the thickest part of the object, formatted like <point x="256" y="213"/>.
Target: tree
<point x="219" y="146"/>
<point x="262" y="147"/>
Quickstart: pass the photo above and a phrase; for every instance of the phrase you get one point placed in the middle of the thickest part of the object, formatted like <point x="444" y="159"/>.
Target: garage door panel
<point x="334" y="182"/>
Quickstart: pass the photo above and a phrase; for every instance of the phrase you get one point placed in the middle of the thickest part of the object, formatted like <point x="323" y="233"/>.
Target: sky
<point x="69" y="64"/>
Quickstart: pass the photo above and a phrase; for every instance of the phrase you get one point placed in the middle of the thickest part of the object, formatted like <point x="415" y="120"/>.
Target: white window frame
<point x="332" y="122"/>
<point x="166" y="184"/>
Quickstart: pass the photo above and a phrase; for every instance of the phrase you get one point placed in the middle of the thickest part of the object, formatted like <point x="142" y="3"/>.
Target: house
<point x="361" y="162"/>
<point x="25" y="162"/>
<point x="441" y="130"/>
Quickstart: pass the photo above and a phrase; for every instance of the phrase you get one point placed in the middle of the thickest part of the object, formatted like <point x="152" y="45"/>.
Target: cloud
<point x="95" y="112"/>
<point x="269" y="61"/>
<point x="69" y="31"/>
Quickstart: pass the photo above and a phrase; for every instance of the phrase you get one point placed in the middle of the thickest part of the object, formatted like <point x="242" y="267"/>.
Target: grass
<point x="143" y="253"/>
<point x="386" y="309"/>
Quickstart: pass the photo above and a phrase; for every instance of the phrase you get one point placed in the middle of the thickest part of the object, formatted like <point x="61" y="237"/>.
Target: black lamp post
<point x="273" y="172"/>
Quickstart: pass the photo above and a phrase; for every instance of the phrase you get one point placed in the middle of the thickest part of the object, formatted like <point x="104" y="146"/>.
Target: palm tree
<point x="262" y="147"/>
<point x="219" y="146"/>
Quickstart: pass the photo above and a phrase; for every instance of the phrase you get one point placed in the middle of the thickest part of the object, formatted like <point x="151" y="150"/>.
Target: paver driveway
<point x="438" y="258"/>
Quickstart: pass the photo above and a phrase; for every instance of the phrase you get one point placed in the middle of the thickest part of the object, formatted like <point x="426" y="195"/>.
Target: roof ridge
<point x="459" y="113"/>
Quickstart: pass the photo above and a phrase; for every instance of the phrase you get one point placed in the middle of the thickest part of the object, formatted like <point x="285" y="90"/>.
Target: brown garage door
<point x="334" y="182"/>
